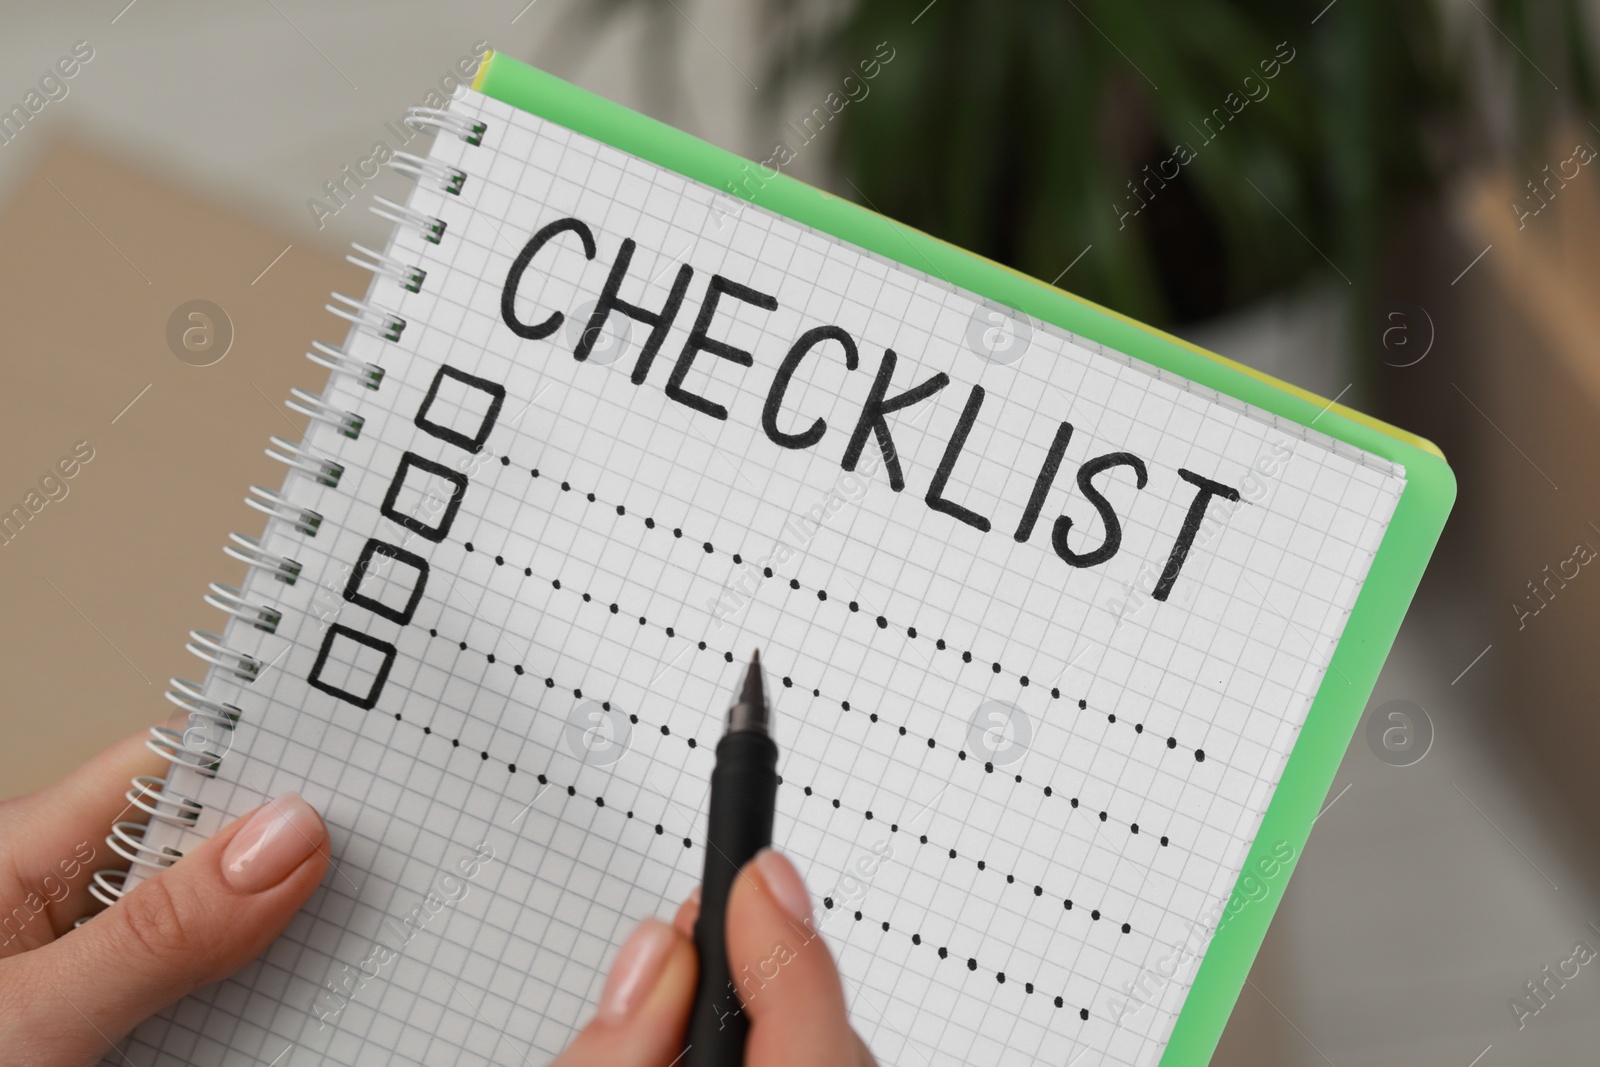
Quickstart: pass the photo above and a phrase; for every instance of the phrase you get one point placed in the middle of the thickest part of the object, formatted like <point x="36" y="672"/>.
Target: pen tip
<point x="754" y="690"/>
<point x="749" y="709"/>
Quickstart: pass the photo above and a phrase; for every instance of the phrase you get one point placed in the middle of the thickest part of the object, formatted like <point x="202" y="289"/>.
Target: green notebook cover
<point x="1390" y="584"/>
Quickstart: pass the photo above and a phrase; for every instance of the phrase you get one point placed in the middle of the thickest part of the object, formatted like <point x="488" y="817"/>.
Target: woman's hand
<point x="66" y="995"/>
<point x="797" y="1017"/>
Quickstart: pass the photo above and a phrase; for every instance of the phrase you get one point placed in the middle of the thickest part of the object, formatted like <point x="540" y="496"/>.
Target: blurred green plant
<point x="1028" y="130"/>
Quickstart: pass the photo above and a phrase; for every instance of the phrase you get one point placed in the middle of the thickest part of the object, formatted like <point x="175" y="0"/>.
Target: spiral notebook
<point x="1068" y="623"/>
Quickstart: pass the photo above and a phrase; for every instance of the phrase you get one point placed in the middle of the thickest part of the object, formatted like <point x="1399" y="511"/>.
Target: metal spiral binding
<point x="209" y="647"/>
<point x="325" y="471"/>
<point x="325" y="355"/>
<point x="127" y="841"/>
<point x="231" y="599"/>
<point x="269" y="503"/>
<point x="379" y="322"/>
<point x="248" y="550"/>
<point x="186" y="695"/>
<point x="149" y="794"/>
<point x="409" y="277"/>
<point x="449" y="179"/>
<point x="199" y="748"/>
<point x="106" y="887"/>
<point x="312" y="406"/>
<point x="153" y="795"/>
<point x="176" y="748"/>
<point x="448" y="122"/>
<point x="431" y="228"/>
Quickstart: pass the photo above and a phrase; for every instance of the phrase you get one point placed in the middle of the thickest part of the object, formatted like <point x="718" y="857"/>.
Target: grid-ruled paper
<point x="1058" y="774"/>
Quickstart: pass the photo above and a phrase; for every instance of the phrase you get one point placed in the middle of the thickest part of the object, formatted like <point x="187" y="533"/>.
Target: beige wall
<point x="101" y="585"/>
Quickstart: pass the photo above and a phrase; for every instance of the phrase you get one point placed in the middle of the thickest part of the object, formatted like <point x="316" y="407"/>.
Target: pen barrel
<point x="744" y="788"/>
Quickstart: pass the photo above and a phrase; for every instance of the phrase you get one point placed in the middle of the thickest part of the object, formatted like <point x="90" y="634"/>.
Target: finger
<point x="787" y="979"/>
<point x="196" y="922"/>
<point x="644" y="1009"/>
<point x="56" y="840"/>
<point x="688" y="912"/>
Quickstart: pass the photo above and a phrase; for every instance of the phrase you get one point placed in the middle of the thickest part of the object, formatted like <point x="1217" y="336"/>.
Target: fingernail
<point x="784" y="883"/>
<point x="272" y="843"/>
<point x="688" y="914"/>
<point x="636" y="970"/>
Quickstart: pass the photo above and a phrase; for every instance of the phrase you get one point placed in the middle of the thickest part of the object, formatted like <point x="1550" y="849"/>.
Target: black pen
<point x="744" y="790"/>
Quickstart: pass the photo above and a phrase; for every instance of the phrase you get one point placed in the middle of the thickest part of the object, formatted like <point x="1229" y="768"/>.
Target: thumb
<point x="195" y="923"/>
<point x="645" y="1006"/>
<point x="785" y="974"/>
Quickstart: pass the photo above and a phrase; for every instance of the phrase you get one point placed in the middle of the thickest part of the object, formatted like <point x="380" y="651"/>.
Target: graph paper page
<point x="1026" y="741"/>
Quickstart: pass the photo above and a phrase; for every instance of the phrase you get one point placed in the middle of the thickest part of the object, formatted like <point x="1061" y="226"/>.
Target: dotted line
<point x="789" y="683"/>
<point x="855" y="607"/>
<point x="828" y="903"/>
<point x="972" y="962"/>
<point x="511" y="768"/>
<point x="693" y="742"/>
<point x="916" y="939"/>
<point x="1011" y="879"/>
